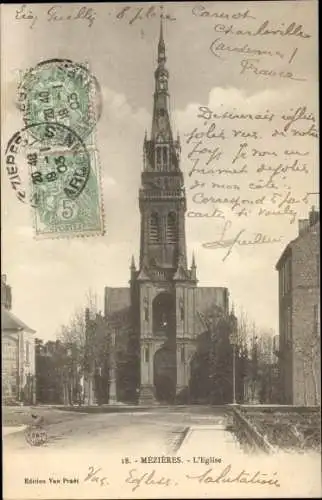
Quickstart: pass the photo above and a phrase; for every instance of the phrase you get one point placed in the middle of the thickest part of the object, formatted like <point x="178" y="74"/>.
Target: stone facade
<point x="163" y="300"/>
<point x="299" y="311"/>
<point x="18" y="354"/>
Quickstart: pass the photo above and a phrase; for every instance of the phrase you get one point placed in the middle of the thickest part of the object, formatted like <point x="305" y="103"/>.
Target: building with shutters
<point x="18" y="353"/>
<point x="299" y="315"/>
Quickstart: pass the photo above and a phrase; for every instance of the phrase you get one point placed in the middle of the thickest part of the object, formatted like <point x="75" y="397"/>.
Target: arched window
<point x="146" y="309"/>
<point x="163" y="314"/>
<point x="171" y="227"/>
<point x="165" y="155"/>
<point x="154" y="227"/>
<point x="162" y="157"/>
<point x="159" y="158"/>
<point x="181" y="307"/>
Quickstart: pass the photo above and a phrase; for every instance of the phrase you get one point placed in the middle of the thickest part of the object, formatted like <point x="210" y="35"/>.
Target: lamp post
<point x="112" y="369"/>
<point x="233" y="341"/>
<point x="69" y="376"/>
<point x="234" y="374"/>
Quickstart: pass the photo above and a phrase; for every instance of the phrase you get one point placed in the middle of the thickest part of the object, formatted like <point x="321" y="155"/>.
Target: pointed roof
<point x="180" y="275"/>
<point x="161" y="47"/>
<point x="10" y="322"/>
<point x="143" y="275"/>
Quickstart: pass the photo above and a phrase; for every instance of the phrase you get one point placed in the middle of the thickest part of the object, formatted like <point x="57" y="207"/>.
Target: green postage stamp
<point x="52" y="162"/>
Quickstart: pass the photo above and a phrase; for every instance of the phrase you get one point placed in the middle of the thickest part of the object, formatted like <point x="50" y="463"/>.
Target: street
<point x="148" y="453"/>
<point x="160" y="431"/>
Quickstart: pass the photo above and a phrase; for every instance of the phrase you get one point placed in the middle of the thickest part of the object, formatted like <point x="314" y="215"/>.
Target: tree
<point x="257" y="361"/>
<point x="49" y="366"/>
<point x="74" y="352"/>
<point x="225" y="338"/>
<point x="307" y="349"/>
<point x="222" y="361"/>
<point x="97" y="355"/>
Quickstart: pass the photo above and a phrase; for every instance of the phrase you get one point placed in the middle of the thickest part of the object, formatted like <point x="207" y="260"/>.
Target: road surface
<point x="161" y="431"/>
<point x="115" y="455"/>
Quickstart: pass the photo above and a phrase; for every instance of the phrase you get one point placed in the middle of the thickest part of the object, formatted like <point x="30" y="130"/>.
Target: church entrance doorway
<point x="165" y="375"/>
<point x="165" y="366"/>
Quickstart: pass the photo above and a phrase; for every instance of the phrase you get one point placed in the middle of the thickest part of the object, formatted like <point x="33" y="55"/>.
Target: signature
<point x="56" y="13"/>
<point x="224" y="242"/>
<point x="226" y="476"/>
<point x="147" y="478"/>
<point x="133" y="14"/>
<point x="95" y="475"/>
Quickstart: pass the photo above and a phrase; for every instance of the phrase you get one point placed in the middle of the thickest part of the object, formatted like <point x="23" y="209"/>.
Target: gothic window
<point x="165" y="155"/>
<point x="159" y="158"/>
<point x="171" y="227"/>
<point x="146" y="354"/>
<point x="164" y="321"/>
<point x="146" y="309"/>
<point x="162" y="155"/>
<point x="154" y="228"/>
<point x="182" y="355"/>
<point x="181" y="309"/>
<point x="163" y="314"/>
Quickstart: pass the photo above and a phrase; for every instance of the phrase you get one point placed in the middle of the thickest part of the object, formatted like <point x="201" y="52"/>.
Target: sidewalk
<point x="12" y="430"/>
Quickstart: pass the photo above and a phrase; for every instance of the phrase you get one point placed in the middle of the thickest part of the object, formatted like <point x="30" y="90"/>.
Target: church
<point x="158" y="320"/>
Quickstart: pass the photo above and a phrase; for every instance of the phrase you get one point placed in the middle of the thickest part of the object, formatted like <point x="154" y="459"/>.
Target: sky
<point x="50" y="277"/>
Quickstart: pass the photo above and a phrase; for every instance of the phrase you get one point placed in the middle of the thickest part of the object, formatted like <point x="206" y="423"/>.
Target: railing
<point x="156" y="194"/>
<point x="159" y="274"/>
<point x="248" y="435"/>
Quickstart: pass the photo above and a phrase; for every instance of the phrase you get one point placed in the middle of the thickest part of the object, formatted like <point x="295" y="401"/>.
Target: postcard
<point x="160" y="286"/>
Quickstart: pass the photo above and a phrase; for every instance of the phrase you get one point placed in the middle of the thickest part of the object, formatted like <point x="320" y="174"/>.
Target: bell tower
<point x="162" y="197"/>
<point x="162" y="286"/>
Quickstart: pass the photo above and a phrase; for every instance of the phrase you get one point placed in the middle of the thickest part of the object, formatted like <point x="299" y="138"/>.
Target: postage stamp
<point x="61" y="181"/>
<point x="52" y="163"/>
<point x="60" y="91"/>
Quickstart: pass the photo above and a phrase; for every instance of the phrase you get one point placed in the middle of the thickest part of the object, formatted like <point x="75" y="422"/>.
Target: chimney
<point x="4" y="278"/>
<point x="303" y="225"/>
<point x="314" y="216"/>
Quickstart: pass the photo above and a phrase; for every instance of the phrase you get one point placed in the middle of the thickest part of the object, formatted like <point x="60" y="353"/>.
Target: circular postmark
<point x="60" y="91"/>
<point x="47" y="171"/>
<point x="36" y="435"/>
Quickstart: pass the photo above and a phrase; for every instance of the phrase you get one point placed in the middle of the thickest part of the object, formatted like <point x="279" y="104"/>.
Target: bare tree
<point x="307" y="348"/>
<point x="73" y="339"/>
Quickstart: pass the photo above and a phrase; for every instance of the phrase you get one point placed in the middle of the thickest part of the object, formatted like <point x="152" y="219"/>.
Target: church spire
<point x="161" y="126"/>
<point x="161" y="47"/>
<point x="162" y="197"/>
